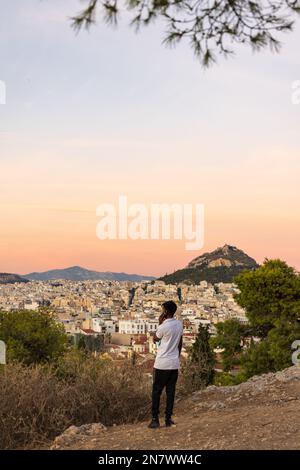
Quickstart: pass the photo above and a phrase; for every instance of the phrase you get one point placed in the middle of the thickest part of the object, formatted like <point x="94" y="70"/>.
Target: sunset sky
<point x="108" y="112"/>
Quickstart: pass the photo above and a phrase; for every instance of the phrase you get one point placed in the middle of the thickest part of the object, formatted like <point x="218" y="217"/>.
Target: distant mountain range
<point x="6" y="278"/>
<point x="77" y="273"/>
<point x="220" y="265"/>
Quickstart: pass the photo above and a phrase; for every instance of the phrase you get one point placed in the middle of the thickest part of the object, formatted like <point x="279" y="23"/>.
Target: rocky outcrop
<point x="227" y="255"/>
<point x="78" y="434"/>
<point x="262" y="389"/>
<point x="220" y="265"/>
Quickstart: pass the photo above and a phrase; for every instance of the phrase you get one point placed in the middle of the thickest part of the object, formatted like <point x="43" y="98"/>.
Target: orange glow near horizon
<point x="55" y="226"/>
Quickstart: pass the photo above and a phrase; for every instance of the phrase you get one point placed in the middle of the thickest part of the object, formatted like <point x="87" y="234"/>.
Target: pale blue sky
<point x="119" y="83"/>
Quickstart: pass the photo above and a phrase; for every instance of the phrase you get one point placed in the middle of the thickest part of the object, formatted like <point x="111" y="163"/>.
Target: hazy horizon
<point x="78" y="265"/>
<point x="107" y="112"/>
<point x="93" y="269"/>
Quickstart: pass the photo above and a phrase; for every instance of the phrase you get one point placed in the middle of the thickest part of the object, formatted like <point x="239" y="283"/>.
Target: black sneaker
<point x="169" y="423"/>
<point x="154" y="424"/>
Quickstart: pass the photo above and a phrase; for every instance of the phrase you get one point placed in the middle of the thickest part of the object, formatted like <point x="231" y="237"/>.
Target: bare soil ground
<point x="263" y="413"/>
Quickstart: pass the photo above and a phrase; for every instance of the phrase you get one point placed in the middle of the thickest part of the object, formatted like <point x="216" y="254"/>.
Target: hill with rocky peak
<point x="262" y="413"/>
<point x="220" y="265"/>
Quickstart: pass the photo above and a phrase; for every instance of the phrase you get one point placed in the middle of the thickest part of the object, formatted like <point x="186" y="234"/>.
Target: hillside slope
<point x="262" y="413"/>
<point x="7" y="278"/>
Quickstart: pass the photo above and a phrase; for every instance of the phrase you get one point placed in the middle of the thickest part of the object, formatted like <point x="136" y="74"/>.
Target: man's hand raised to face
<point x="162" y="318"/>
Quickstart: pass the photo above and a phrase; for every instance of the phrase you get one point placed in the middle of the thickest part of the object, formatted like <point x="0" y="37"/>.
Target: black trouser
<point x="161" y="379"/>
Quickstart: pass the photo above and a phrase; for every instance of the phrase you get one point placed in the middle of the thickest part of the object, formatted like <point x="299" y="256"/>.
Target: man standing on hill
<point x="169" y="338"/>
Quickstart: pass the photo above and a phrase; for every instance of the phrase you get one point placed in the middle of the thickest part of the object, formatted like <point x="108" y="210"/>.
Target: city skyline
<point x="91" y="116"/>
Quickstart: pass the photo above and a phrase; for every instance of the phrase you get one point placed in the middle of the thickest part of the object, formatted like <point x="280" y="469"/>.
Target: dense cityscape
<point x="123" y="316"/>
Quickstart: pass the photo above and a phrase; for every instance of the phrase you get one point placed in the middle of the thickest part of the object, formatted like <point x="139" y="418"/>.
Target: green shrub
<point x="227" y="379"/>
<point x="32" y="337"/>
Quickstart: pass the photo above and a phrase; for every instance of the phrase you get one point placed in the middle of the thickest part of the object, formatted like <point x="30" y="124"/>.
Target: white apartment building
<point x="188" y="312"/>
<point x="137" y="326"/>
<point x="132" y="327"/>
<point x="31" y="305"/>
<point x="103" y="326"/>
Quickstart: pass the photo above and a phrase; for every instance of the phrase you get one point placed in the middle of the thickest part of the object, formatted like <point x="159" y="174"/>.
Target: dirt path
<point x="255" y="415"/>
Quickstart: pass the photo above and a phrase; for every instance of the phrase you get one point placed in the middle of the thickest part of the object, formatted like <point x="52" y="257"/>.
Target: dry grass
<point x="40" y="402"/>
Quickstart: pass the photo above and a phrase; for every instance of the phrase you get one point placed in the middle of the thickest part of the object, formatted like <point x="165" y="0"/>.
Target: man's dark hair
<point x="170" y="307"/>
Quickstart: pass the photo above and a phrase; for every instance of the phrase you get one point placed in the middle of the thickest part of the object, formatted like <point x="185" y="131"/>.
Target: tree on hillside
<point x="270" y="296"/>
<point x="88" y="343"/>
<point x="230" y="337"/>
<point x="199" y="369"/>
<point x="270" y="293"/>
<point x="32" y="336"/>
<point x="210" y="26"/>
<point x="272" y="353"/>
